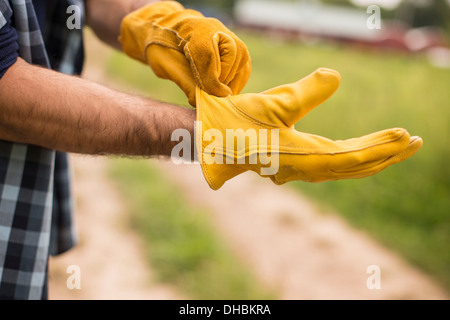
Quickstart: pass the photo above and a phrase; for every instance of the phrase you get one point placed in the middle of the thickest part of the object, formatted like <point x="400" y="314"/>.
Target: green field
<point x="406" y="207"/>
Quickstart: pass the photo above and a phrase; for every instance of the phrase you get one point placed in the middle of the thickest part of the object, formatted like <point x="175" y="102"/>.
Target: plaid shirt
<point x="35" y="202"/>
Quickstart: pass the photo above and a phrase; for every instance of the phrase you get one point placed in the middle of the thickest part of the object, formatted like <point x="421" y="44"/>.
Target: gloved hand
<point x="184" y="46"/>
<point x="296" y="155"/>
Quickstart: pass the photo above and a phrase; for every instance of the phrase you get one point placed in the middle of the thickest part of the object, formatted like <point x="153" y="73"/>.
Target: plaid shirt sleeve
<point x="8" y="40"/>
<point x="35" y="198"/>
<point x="5" y="13"/>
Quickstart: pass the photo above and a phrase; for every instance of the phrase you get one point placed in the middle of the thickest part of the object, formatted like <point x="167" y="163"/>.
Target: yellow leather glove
<point x="184" y="46"/>
<point x="286" y="154"/>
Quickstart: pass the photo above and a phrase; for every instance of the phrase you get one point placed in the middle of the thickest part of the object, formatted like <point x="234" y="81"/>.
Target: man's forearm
<point x="105" y="17"/>
<point x="56" y="111"/>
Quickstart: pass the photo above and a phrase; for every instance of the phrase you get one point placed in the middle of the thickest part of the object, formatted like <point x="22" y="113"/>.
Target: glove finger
<point x="367" y="151"/>
<point x="286" y="105"/>
<point x="226" y="54"/>
<point x="235" y="70"/>
<point x="241" y="78"/>
<point x="299" y="98"/>
<point x="172" y="65"/>
<point x="205" y="66"/>
<point x="370" y="169"/>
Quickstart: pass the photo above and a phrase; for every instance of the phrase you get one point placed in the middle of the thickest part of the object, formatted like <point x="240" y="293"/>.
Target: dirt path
<point x="281" y="235"/>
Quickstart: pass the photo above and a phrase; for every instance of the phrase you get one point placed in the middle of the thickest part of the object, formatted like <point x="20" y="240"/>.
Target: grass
<point x="183" y="247"/>
<point x="407" y="206"/>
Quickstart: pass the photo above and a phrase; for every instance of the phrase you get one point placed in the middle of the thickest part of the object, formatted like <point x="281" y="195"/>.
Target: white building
<point x="306" y="17"/>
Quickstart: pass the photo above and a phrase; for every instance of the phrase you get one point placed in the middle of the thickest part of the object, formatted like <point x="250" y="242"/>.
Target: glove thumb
<point x="286" y="105"/>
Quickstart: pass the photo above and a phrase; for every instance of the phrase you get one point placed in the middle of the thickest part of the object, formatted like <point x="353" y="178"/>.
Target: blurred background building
<point x="412" y="26"/>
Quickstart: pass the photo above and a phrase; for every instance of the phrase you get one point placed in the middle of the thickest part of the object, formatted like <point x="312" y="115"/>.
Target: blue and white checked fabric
<point x="35" y="201"/>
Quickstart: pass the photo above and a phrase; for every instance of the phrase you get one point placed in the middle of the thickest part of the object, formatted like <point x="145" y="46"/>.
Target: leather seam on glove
<point x="205" y="170"/>
<point x="242" y="153"/>
<point x="249" y="117"/>
<point x="369" y="144"/>
<point x="254" y="149"/>
<point x="372" y="165"/>
<point x="200" y="147"/>
<point x="196" y="74"/>
<point x="158" y="37"/>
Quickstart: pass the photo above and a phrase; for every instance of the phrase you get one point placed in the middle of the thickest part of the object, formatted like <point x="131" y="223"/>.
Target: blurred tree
<point x="222" y="9"/>
<point x="415" y="13"/>
<point x="420" y="13"/>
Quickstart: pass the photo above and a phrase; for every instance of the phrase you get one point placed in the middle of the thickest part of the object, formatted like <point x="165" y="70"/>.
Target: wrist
<point x="156" y="125"/>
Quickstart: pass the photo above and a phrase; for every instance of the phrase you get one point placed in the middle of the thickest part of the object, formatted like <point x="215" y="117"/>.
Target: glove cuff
<point x="139" y="29"/>
<point x="216" y="173"/>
